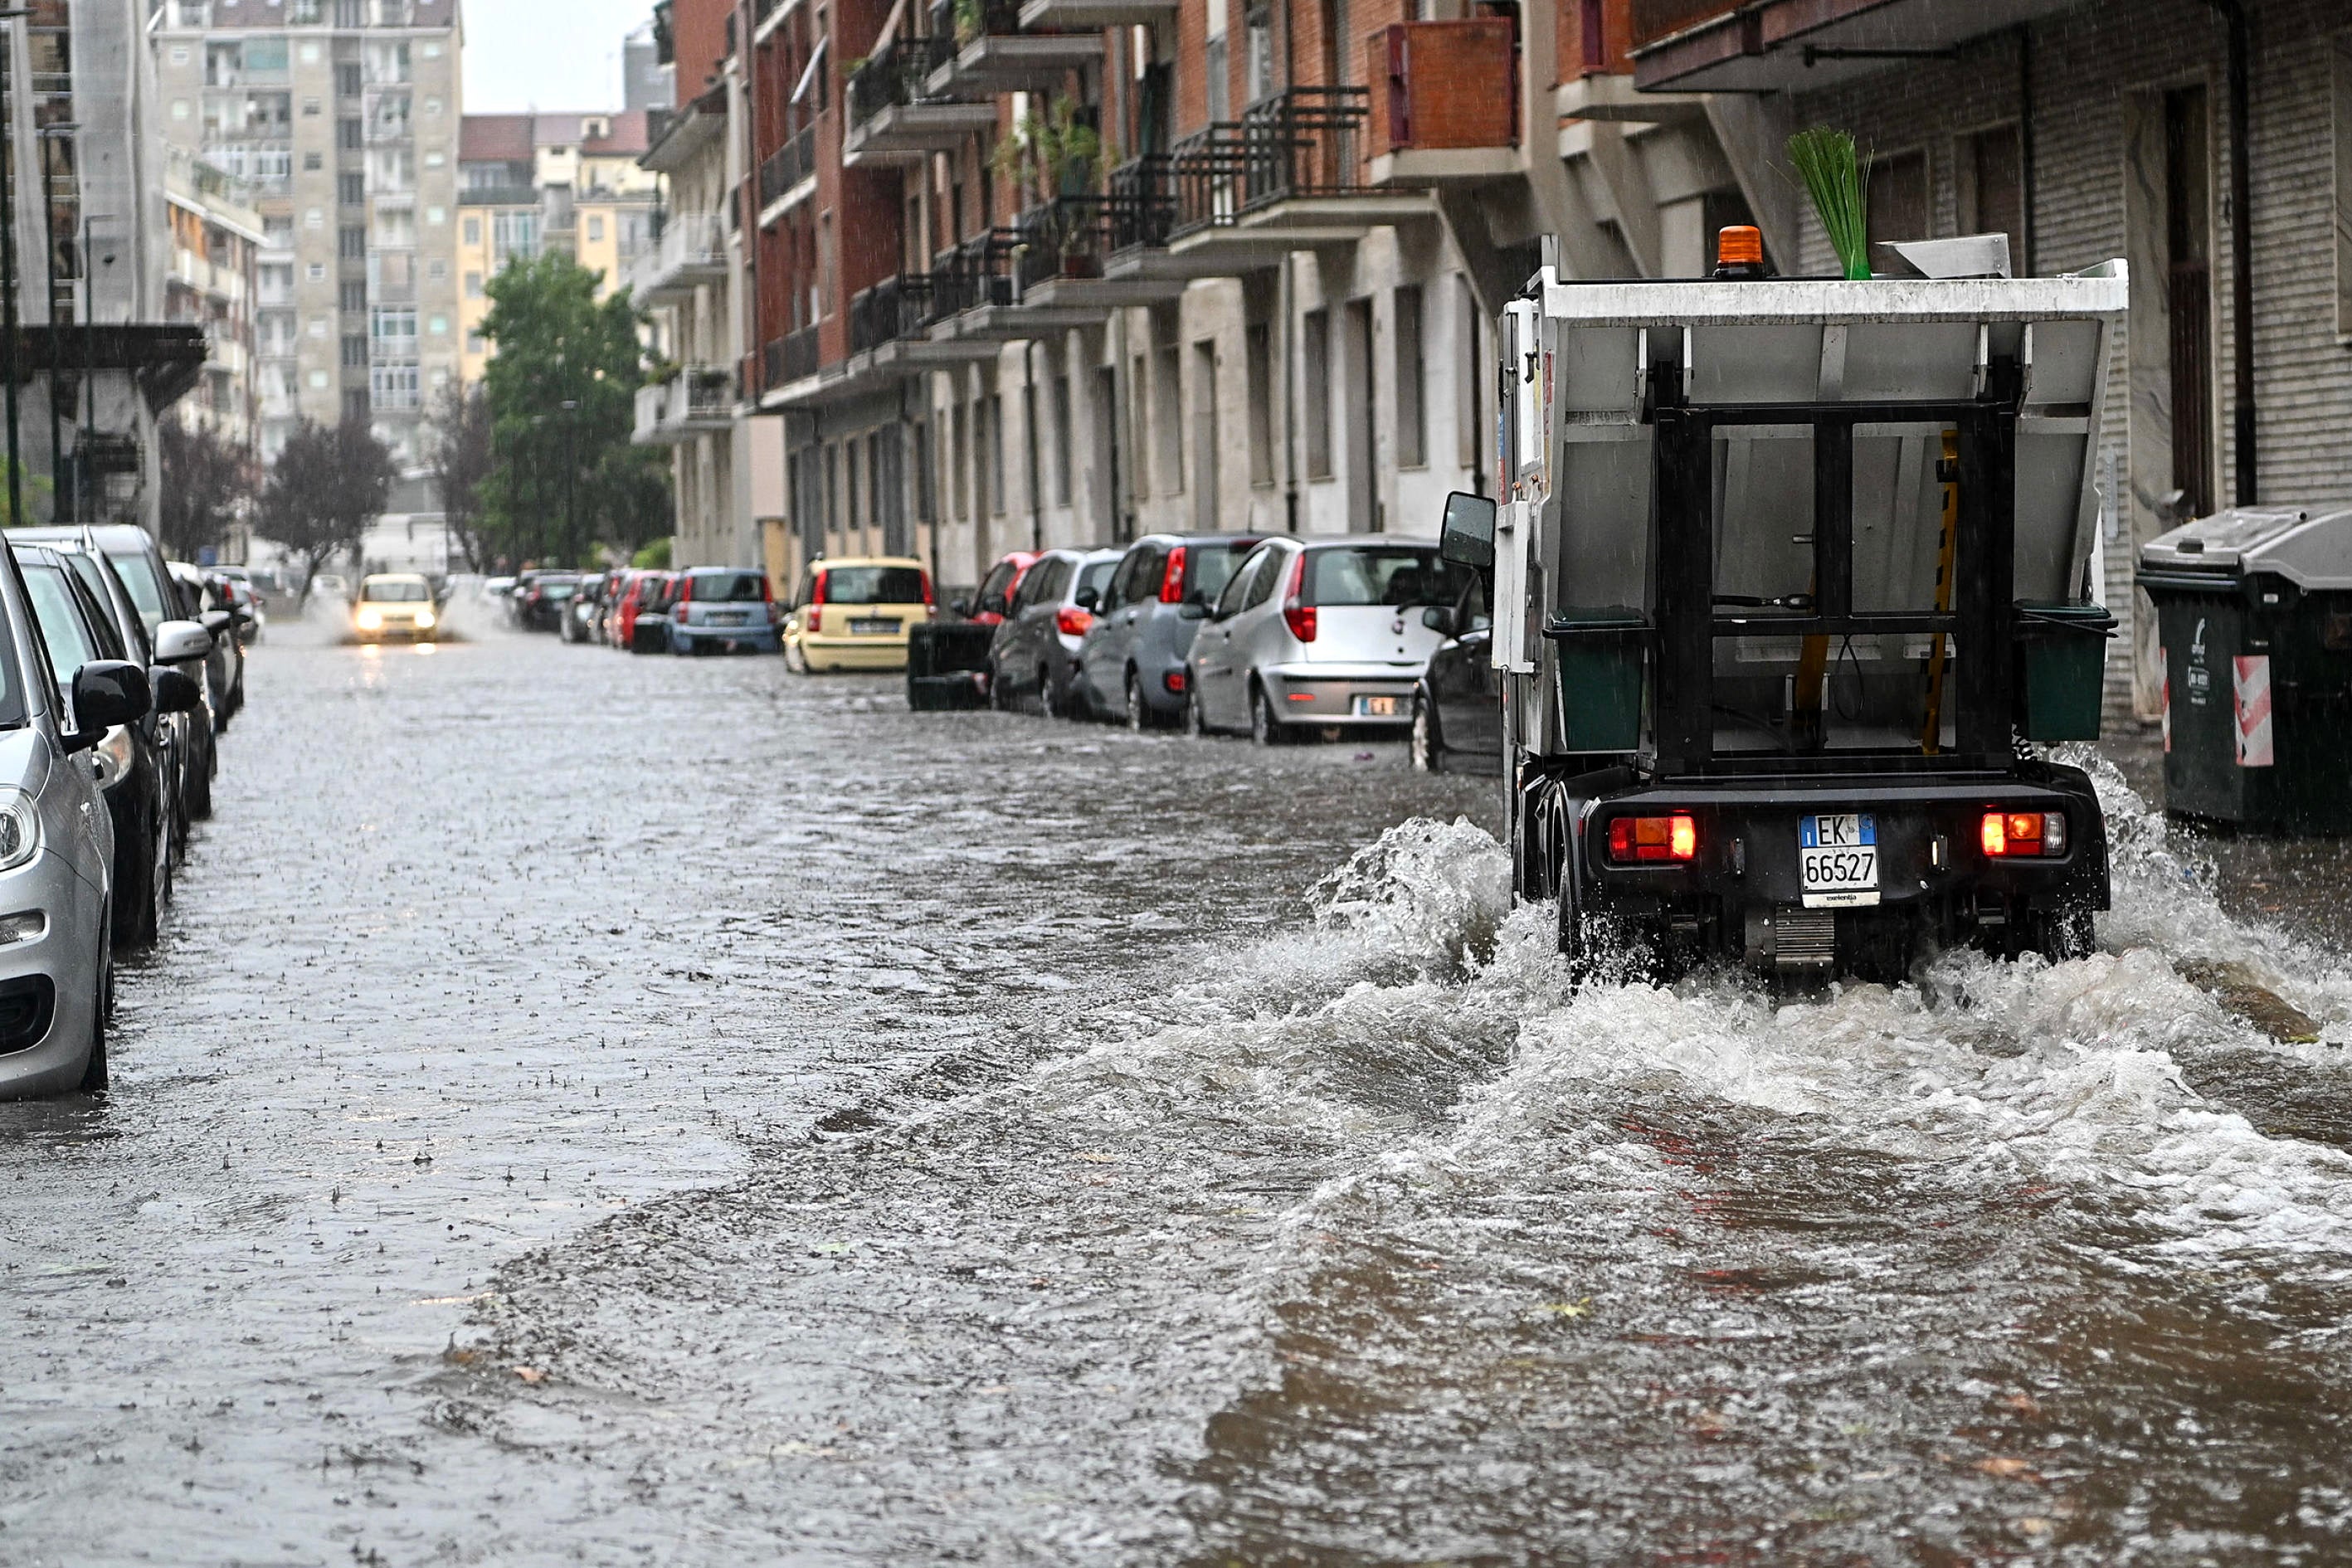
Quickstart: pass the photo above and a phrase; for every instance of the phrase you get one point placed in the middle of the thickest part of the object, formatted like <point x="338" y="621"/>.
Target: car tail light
<point x="2010" y="835"/>
<point x="1299" y="617"/>
<point x="1072" y="622"/>
<point x="1639" y="840"/>
<point x="1174" y="681"/>
<point x="1172" y="580"/>
<point x="927" y="591"/>
<point x="816" y="616"/>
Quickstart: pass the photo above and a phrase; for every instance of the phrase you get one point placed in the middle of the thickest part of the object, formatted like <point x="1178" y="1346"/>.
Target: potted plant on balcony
<point x="1057" y="154"/>
<point x="970" y="21"/>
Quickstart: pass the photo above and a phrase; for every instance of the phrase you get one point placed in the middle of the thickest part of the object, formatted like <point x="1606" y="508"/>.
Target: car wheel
<point x="1139" y="711"/>
<point x="1000" y="697"/>
<point x="94" y="1074"/>
<point x="1196" y="723"/>
<point x="1427" y="756"/>
<point x="134" y="908"/>
<point x="200" y="794"/>
<point x="1264" y="728"/>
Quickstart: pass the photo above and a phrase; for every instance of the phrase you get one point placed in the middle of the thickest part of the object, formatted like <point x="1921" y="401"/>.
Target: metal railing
<point x="895" y="77"/>
<point x="1303" y="141"/>
<point x="1142" y="202"/>
<point x="688" y="240"/>
<point x="978" y="272"/>
<point x="791" y="357"/>
<point x="893" y="308"/>
<point x="790" y="164"/>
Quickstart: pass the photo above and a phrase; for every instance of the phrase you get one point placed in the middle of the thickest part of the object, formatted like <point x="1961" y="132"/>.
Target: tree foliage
<point x="562" y="399"/>
<point x="461" y="462"/>
<point x="328" y="485"/>
<point x="206" y="479"/>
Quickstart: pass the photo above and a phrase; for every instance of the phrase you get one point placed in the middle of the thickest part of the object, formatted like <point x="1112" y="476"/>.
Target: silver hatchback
<point x="1316" y="634"/>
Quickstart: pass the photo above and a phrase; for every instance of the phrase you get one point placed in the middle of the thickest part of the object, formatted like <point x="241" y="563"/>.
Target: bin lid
<point x="2310" y="546"/>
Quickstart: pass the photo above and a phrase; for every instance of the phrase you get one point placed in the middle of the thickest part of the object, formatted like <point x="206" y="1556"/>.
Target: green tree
<point x="328" y="485"/>
<point x="563" y="389"/>
<point x="459" y="464"/>
<point x="205" y="477"/>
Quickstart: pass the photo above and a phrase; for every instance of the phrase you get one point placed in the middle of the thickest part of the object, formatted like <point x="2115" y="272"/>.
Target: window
<point x="1257" y="349"/>
<point x="319" y="379"/>
<point x="319" y="326"/>
<point x="355" y="350"/>
<point x="438" y="326"/>
<point x="313" y="162"/>
<point x="1061" y="396"/>
<point x="436" y="271"/>
<point x="473" y="285"/>
<point x="350" y="135"/>
<point x="310" y="107"/>
<point x="347" y="80"/>
<point x="1167" y="419"/>
<point x="394" y="386"/>
<point x="473" y="229"/>
<point x="315" y="217"/>
<point x="596" y="230"/>
<point x="1992" y="189"/>
<point x="355" y="406"/>
<point x="394" y="323"/>
<point x="351" y="242"/>
<point x="352" y="189"/>
<point x="316" y="271"/>
<point x="1315" y="373"/>
<point x="1412" y="431"/>
<point x="180" y="109"/>
<point x="437" y="216"/>
<point x="179" y="54"/>
<point x="1897" y="198"/>
<point x="352" y="294"/>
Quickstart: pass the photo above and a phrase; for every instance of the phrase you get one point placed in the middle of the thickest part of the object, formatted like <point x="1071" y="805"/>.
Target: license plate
<point x="1837" y="856"/>
<point x="1376" y="707"/>
<point x="734" y="618"/>
<point x="874" y="629"/>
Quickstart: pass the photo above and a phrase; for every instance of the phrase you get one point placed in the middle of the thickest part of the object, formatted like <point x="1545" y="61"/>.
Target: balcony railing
<point x="699" y="397"/>
<point x="690" y="243"/>
<point x="997" y="18"/>
<point x="895" y="77"/>
<point x="978" y="272"/>
<point x="893" y="308"/>
<point x="1143" y="202"/>
<point x="789" y="358"/>
<point x="1468" y="97"/>
<point x="1300" y="143"/>
<point x="790" y="164"/>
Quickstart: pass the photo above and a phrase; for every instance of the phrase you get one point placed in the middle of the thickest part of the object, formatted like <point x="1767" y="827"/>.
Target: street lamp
<point x="570" y="474"/>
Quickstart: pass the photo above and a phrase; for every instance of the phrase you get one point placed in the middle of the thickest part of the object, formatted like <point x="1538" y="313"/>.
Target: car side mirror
<point x="176" y="690"/>
<point x="1195" y="608"/>
<point x="1087" y="600"/>
<point x="180" y="642"/>
<point x="217" y="622"/>
<point x="960" y="608"/>
<point x="1439" y="618"/>
<point x="1467" y="538"/>
<point x="107" y="692"/>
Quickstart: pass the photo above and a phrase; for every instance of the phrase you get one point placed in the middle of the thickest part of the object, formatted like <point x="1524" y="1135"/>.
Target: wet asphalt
<point x="592" y="1109"/>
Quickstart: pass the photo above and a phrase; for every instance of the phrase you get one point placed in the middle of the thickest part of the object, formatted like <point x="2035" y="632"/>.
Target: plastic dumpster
<point x="947" y="665"/>
<point x="2254" y="613"/>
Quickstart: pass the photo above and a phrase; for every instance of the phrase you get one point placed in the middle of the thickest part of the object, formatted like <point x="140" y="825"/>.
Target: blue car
<point x="724" y="607"/>
<point x="1134" y="665"/>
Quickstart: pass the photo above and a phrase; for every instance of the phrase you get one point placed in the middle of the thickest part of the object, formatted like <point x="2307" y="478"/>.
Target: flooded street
<point x="626" y="1110"/>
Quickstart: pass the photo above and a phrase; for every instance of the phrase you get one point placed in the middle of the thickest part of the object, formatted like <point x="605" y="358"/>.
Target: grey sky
<point x="546" y="54"/>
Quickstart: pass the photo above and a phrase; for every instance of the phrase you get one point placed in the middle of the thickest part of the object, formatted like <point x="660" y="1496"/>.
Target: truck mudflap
<point x="1809" y="876"/>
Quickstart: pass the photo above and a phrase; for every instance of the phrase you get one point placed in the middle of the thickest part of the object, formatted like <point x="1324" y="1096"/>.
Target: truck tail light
<point x="2011" y="835"/>
<point x="1072" y="622"/>
<point x="1640" y="840"/>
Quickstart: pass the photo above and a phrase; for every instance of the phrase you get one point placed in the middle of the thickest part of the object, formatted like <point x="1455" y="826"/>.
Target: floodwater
<point x="619" y="1110"/>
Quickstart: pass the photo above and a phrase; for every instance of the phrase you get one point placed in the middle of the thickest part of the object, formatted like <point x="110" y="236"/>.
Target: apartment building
<point x="529" y="183"/>
<point x="214" y="282"/>
<point x="101" y="363"/>
<point x="344" y="116"/>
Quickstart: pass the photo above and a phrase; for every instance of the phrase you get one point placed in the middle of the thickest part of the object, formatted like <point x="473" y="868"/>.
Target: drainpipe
<point x="2241" y="237"/>
<point x="2025" y="144"/>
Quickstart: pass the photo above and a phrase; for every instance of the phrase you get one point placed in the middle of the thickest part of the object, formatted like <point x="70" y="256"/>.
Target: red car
<point x="637" y="625"/>
<point x="994" y="601"/>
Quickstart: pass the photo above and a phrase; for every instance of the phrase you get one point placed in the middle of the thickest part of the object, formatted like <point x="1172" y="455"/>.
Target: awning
<point x="808" y="72"/>
<point x="1800" y="46"/>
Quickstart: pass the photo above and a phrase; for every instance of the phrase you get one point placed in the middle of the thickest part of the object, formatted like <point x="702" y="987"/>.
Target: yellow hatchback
<point x="395" y="605"/>
<point x="853" y="612"/>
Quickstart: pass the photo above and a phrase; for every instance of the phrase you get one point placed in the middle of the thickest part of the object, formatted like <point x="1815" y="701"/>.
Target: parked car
<point x="853" y="613"/>
<point x="726" y="608"/>
<point x="171" y="731"/>
<point x="132" y="763"/>
<point x="1457" y="704"/>
<point x="1134" y="663"/>
<point x="1321" y="633"/>
<point x="139" y="565"/>
<point x="332" y="588"/>
<point x="1038" y="639"/>
<point x="993" y="600"/>
<point x="583" y="614"/>
<point x="541" y="598"/>
<point x="639" y="626"/>
<point x="245" y="592"/>
<point x="202" y="601"/>
<point x="57" y="855"/>
<point x="395" y="605"/>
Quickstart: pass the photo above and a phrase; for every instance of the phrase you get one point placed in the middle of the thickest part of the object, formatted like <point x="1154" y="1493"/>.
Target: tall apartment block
<point x="342" y="116"/>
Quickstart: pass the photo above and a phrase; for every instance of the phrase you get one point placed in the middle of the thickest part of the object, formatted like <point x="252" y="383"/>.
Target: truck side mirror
<point x="1468" y="537"/>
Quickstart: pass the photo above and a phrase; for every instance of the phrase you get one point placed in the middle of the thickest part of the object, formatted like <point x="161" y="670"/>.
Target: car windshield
<point x="727" y="587"/>
<point x="61" y="627"/>
<point x="93" y="577"/>
<point x="873" y="586"/>
<point x="1381" y="574"/>
<point x="137" y="574"/>
<point x="557" y="589"/>
<point x="387" y="591"/>
<point x="1209" y="568"/>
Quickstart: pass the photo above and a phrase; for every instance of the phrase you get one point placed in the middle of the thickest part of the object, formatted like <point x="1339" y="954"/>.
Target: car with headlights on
<point x="133" y="762"/>
<point x="57" y="855"/>
<point x="1032" y="654"/>
<point x="395" y="605"/>
<point x="1321" y="634"/>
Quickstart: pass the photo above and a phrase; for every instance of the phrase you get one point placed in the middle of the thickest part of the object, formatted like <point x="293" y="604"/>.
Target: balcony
<point x="699" y="400"/>
<point x="894" y="310"/>
<point x="789" y="174"/>
<point x="994" y="54"/>
<point x="692" y="252"/>
<point x="894" y="116"/>
<point x="1444" y="103"/>
<point x="1782" y="46"/>
<point x="1079" y="15"/>
<point x="791" y="358"/>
